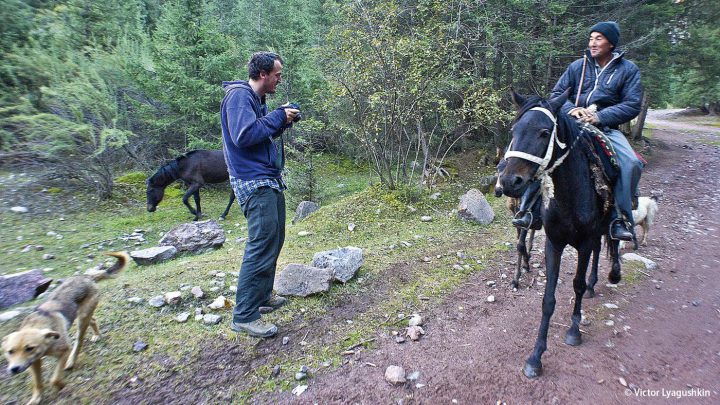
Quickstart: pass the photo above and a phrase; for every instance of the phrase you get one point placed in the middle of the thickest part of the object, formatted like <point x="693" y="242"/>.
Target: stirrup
<point x="622" y="221"/>
<point x="532" y="219"/>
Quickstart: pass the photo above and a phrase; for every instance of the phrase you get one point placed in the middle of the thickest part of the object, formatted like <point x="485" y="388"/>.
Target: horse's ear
<point x="517" y="99"/>
<point x="557" y="102"/>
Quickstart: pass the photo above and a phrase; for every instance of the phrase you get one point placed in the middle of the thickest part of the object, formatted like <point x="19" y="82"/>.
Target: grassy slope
<point x="382" y="220"/>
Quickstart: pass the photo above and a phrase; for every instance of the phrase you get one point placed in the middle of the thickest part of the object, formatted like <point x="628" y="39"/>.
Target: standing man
<point x="254" y="154"/>
<point x="605" y="91"/>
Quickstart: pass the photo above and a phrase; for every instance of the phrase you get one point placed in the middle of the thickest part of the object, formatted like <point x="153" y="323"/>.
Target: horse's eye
<point x="545" y="133"/>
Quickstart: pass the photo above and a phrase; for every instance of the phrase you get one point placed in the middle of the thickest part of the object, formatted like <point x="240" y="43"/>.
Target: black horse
<point x="548" y="145"/>
<point x="195" y="168"/>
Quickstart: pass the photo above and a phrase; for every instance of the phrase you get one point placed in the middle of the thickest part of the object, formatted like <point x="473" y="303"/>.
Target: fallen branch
<point x="566" y="326"/>
<point x="362" y="342"/>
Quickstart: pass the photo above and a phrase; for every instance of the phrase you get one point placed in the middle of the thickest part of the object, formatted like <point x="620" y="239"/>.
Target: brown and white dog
<point x="45" y="331"/>
<point x="644" y="216"/>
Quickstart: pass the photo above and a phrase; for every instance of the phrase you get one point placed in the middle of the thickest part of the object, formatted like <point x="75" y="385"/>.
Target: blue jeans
<point x="630" y="169"/>
<point x="265" y="213"/>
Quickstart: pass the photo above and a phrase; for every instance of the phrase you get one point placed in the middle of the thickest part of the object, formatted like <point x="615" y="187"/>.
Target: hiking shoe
<point x="256" y="328"/>
<point x="524" y="221"/>
<point x="619" y="231"/>
<point x="272" y="304"/>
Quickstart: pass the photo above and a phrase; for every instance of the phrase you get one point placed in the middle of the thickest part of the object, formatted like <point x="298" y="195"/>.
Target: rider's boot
<point x="524" y="217"/>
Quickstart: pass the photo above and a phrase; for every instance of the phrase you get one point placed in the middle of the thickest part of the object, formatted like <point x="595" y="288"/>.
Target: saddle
<point x="603" y="150"/>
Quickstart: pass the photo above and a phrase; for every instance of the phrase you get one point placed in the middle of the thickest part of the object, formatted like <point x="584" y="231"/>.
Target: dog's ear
<point x="51" y="334"/>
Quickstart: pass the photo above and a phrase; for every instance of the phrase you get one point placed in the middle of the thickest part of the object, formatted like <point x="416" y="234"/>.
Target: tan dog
<point x="45" y="331"/>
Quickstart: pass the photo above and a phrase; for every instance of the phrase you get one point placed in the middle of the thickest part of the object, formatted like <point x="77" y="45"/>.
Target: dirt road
<point x="663" y="341"/>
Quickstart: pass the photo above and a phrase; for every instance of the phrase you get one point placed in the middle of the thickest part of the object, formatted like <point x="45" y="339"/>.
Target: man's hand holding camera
<point x="292" y="112"/>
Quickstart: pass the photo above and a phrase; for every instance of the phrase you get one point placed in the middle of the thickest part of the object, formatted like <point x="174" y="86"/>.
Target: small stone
<point x="19" y="210"/>
<point x="8" y="315"/>
<point x="623" y="382"/>
<point x="457" y="267"/>
<point x="414" y="332"/>
<point x="139" y="346"/>
<point x="51" y="233"/>
<point x="610" y="323"/>
<point x="135" y="300"/>
<point x="276" y="371"/>
<point x="211" y="319"/>
<point x="399" y="339"/>
<point x="297" y="391"/>
<point x="26" y="249"/>
<point x="220" y="275"/>
<point x="490" y="283"/>
<point x="198" y="311"/>
<point x="491" y="298"/>
<point x="48" y="256"/>
<point x="220" y="303"/>
<point x="351" y="227"/>
<point x="426" y="259"/>
<point x="304" y="233"/>
<point x="696" y="303"/>
<point x="610" y="306"/>
<point x="157" y="301"/>
<point x="395" y="374"/>
<point x="426" y="218"/>
<point x="182" y="317"/>
<point x="39" y="248"/>
<point x="214" y="289"/>
<point x="285" y="340"/>
<point x="173" y="298"/>
<point x="299" y="376"/>
<point x="415" y="320"/>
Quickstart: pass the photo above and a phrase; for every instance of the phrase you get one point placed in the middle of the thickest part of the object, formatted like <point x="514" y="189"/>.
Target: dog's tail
<point x="122" y="261"/>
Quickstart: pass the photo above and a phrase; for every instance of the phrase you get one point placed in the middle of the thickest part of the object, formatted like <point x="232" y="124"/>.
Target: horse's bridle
<point x="544" y="161"/>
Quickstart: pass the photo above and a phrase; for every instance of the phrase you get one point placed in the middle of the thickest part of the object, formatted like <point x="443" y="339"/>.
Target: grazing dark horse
<point x="548" y="145"/>
<point x="195" y="168"/>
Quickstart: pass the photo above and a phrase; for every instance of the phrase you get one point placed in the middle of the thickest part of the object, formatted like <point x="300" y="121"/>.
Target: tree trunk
<point x="637" y="130"/>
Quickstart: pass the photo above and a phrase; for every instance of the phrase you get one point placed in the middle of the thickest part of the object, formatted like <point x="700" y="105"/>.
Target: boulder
<point x="304" y="209"/>
<point x="21" y="287"/>
<point x="634" y="257"/>
<point x="343" y="262"/>
<point x="300" y="280"/>
<point x="395" y="375"/>
<point x="195" y="237"/>
<point x="473" y="206"/>
<point x="153" y="255"/>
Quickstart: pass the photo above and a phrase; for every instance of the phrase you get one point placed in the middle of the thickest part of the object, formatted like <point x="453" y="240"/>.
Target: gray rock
<point x="19" y="210"/>
<point x="285" y="340"/>
<point x="157" y="301"/>
<point x="300" y="280"/>
<point x="8" y="315"/>
<point x="21" y="287"/>
<point x="153" y="255"/>
<point x="182" y="317"/>
<point x="395" y="374"/>
<point x="634" y="257"/>
<point x="304" y="209"/>
<point x="39" y="248"/>
<point x="135" y="300"/>
<point x="276" y="371"/>
<point x="48" y="256"/>
<point x="343" y="262"/>
<point x="212" y="319"/>
<point x="139" y="346"/>
<point x="195" y="237"/>
<point x="300" y="376"/>
<point x="173" y="298"/>
<point x="197" y="292"/>
<point x="426" y="218"/>
<point x="473" y="206"/>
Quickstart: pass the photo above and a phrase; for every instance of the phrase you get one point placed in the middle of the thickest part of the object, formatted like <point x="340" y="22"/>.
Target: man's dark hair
<point x="262" y="62"/>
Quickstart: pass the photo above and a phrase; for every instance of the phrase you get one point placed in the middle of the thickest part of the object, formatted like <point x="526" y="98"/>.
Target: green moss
<point x="132" y="179"/>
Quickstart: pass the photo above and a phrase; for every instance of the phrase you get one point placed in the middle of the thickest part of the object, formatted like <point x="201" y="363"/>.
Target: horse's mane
<point x="166" y="174"/>
<point x="568" y="129"/>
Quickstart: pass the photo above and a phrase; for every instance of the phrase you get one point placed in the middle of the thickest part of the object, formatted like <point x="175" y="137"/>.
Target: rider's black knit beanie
<point x="609" y="29"/>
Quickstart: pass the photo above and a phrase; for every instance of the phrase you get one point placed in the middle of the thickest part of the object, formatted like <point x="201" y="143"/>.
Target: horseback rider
<point x="605" y="91"/>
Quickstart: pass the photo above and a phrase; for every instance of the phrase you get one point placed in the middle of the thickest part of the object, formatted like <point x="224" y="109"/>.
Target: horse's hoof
<point x="614" y="279"/>
<point x="532" y="371"/>
<point x="573" y="340"/>
<point x="590" y="293"/>
<point x="221" y="219"/>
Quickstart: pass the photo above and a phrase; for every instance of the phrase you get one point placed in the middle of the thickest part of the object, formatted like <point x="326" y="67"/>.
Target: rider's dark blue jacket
<point x="247" y="130"/>
<point x="615" y="89"/>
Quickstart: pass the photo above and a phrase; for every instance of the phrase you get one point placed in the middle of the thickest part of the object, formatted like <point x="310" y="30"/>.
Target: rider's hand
<point x="290" y="114"/>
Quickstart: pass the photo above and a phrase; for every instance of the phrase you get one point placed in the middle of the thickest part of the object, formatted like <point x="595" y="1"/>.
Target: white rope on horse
<point x="543" y="173"/>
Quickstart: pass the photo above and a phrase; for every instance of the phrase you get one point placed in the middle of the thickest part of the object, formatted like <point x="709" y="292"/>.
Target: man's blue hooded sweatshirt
<point x="247" y="131"/>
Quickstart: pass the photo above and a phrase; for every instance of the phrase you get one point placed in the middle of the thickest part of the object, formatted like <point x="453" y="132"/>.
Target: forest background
<point x="90" y="90"/>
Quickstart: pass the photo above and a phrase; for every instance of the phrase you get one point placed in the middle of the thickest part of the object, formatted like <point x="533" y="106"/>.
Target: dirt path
<point x="664" y="339"/>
